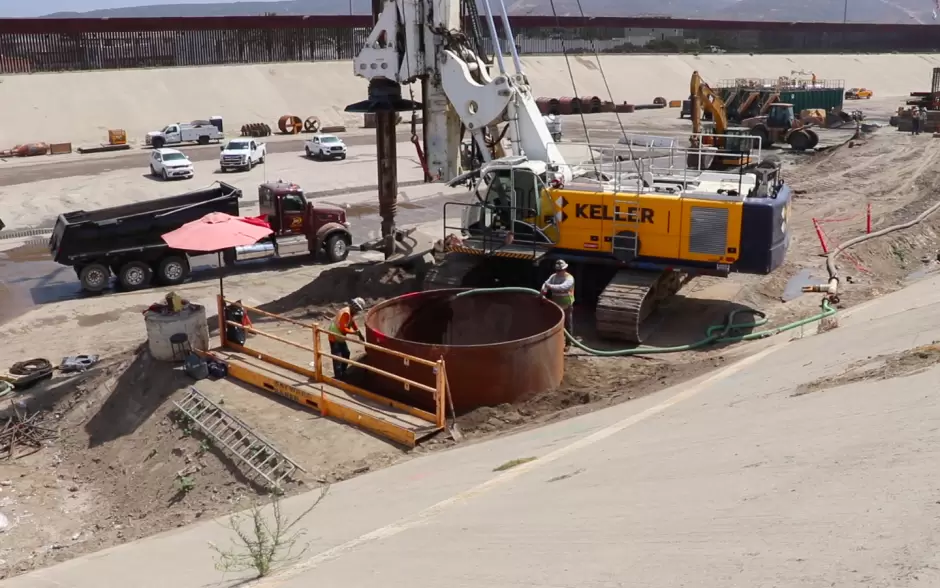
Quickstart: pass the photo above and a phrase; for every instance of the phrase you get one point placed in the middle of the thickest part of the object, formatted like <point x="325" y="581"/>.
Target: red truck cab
<point x="290" y="214"/>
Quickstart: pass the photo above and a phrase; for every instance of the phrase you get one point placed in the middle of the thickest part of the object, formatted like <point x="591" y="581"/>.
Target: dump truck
<point x="127" y="241"/>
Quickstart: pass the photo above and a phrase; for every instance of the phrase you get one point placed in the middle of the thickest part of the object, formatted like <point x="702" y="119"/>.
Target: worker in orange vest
<point x="344" y="324"/>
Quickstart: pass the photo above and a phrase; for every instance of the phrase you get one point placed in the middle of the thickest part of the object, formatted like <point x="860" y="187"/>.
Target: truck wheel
<point x="261" y="160"/>
<point x="336" y="248"/>
<point x="343" y="156"/>
<point x="94" y="277"/>
<point x="307" y="151"/>
<point x="158" y="142"/>
<point x="172" y="270"/>
<point x="204" y="140"/>
<point x="164" y="175"/>
<point x="153" y="172"/>
<point x="135" y="275"/>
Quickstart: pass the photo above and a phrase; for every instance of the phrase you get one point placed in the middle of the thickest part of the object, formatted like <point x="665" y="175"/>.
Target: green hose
<point x="713" y="335"/>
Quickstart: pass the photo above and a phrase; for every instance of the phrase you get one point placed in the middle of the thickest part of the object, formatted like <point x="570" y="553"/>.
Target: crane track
<point x="629" y="299"/>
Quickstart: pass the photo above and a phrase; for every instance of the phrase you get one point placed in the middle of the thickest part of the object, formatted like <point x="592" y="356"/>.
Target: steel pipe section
<point x="497" y="347"/>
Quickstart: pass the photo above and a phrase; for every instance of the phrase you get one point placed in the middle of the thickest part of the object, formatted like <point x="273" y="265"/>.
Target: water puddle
<point x="29" y="277"/>
<point x="794" y="289"/>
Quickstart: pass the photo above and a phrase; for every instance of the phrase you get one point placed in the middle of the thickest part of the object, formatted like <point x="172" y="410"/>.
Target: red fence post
<point x="822" y="238"/>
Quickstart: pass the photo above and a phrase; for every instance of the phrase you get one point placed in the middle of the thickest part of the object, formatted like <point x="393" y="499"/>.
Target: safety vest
<point x="562" y="299"/>
<point x="335" y="328"/>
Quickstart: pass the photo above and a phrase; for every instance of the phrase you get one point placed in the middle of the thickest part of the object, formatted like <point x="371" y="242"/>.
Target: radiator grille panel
<point x="709" y="231"/>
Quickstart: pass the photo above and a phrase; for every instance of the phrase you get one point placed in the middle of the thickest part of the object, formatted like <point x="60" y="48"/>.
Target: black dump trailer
<point x="126" y="241"/>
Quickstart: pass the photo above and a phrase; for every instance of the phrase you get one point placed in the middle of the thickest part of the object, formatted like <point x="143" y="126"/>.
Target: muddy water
<point x="29" y="277"/>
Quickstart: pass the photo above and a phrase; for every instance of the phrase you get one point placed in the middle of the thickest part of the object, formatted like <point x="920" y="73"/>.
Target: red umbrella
<point x="217" y="231"/>
<point x="214" y="232"/>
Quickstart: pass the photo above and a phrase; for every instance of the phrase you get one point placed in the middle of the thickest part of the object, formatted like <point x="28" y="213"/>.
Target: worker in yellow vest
<point x="560" y="286"/>
<point x="344" y="325"/>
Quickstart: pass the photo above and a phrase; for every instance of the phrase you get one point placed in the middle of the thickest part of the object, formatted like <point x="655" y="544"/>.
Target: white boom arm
<point x="457" y="86"/>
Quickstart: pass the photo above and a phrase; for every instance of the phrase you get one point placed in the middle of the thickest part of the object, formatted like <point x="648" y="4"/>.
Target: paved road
<point x="100" y="163"/>
<point x="31" y="278"/>
<point x="97" y="164"/>
<point x="730" y="480"/>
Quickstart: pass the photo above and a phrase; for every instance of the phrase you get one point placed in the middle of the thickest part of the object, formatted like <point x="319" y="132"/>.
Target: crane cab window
<point x="515" y="191"/>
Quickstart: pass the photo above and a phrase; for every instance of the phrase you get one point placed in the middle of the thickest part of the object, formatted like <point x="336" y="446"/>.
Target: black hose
<point x="31" y="367"/>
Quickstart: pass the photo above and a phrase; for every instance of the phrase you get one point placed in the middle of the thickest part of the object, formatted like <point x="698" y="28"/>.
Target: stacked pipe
<point x="255" y="130"/>
<point x="593" y="104"/>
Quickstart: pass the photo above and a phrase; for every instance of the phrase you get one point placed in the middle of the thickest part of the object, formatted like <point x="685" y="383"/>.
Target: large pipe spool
<point x="590" y="104"/>
<point x="497" y="347"/>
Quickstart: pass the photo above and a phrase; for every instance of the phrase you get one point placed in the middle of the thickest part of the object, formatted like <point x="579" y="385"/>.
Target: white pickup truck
<point x="242" y="154"/>
<point x="325" y="147"/>
<point x="198" y="131"/>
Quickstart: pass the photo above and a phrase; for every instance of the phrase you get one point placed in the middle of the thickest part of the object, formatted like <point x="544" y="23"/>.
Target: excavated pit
<point x="497" y="347"/>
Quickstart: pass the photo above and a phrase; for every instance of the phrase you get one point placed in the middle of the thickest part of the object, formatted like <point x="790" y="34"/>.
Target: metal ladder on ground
<point x="231" y="433"/>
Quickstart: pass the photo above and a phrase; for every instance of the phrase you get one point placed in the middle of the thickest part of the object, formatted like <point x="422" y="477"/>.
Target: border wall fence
<point x="81" y="44"/>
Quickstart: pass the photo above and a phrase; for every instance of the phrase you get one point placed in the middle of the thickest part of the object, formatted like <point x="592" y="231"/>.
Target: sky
<point x="23" y="8"/>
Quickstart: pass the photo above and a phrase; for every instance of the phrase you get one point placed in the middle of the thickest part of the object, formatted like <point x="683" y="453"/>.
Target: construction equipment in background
<point x="750" y="97"/>
<point x="780" y="125"/>
<point x="715" y="145"/>
<point x="929" y="100"/>
<point x="929" y="123"/>
<point x="776" y="123"/>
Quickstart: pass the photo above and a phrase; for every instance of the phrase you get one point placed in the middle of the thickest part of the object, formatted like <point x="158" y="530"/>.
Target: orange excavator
<point x="719" y="145"/>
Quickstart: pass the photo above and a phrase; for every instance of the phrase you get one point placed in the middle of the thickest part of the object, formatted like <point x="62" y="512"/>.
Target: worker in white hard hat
<point x="344" y="325"/>
<point x="560" y="286"/>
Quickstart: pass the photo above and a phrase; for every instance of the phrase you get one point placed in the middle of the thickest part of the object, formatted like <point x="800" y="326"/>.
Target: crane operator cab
<point x="511" y="214"/>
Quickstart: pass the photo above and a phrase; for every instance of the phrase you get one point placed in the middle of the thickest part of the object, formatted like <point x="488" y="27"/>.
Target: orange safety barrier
<point x="313" y="388"/>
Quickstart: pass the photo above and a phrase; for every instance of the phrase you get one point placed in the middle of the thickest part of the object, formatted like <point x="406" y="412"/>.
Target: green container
<point x="801" y="99"/>
<point x="825" y="98"/>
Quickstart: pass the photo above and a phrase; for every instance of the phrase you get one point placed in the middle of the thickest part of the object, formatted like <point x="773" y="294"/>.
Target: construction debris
<point x="23" y="430"/>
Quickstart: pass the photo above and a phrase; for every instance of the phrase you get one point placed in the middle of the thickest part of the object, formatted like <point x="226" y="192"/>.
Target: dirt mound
<point x="111" y="475"/>
<point x="334" y="287"/>
<point x="883" y="367"/>
<point x="589" y="384"/>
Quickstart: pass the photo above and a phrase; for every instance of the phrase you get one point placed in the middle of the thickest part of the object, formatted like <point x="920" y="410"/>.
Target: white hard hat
<point x="357" y="304"/>
<point x="560" y="265"/>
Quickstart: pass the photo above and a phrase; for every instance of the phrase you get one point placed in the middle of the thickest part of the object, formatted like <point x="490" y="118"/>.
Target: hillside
<point x="882" y="11"/>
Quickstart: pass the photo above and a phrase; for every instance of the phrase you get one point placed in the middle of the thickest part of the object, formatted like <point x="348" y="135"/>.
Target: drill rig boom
<point x="420" y="40"/>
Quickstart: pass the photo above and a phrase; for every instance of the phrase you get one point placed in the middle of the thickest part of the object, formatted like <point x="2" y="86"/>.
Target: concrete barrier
<point x="80" y="107"/>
